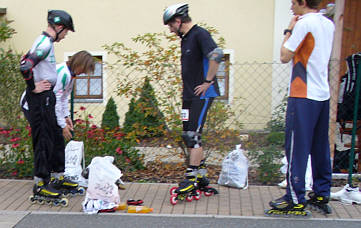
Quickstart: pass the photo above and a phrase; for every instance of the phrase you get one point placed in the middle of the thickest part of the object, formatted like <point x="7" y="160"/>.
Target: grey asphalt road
<point x="79" y="220"/>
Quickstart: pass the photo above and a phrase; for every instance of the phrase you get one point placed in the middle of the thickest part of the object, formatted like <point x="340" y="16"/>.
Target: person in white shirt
<point x="307" y="45"/>
<point x="38" y="68"/>
<point x="81" y="62"/>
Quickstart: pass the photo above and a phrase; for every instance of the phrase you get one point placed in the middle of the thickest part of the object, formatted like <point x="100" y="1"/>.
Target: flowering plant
<point x="106" y="142"/>
<point x="16" y="157"/>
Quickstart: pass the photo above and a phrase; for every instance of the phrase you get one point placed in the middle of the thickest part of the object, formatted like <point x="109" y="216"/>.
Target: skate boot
<point x="66" y="186"/>
<point x="348" y="195"/>
<point x="44" y="193"/>
<point x="319" y="203"/>
<point x="187" y="189"/>
<point x="284" y="208"/>
<point x="203" y="181"/>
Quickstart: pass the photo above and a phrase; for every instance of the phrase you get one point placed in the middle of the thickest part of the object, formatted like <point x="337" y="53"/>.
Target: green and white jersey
<point x="62" y="90"/>
<point x="43" y="47"/>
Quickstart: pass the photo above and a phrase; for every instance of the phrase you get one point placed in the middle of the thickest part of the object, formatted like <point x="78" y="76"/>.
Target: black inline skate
<point x="67" y="187"/>
<point x="319" y="203"/>
<point x="203" y="181"/>
<point x="187" y="189"/>
<point x="283" y="208"/>
<point x="44" y="193"/>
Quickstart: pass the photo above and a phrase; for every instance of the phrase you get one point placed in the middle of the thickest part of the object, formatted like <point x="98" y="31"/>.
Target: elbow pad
<point x="27" y="63"/>
<point x="216" y="55"/>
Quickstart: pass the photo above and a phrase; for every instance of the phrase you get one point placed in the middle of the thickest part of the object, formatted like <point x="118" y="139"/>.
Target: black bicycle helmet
<point x="177" y="10"/>
<point x="60" y="17"/>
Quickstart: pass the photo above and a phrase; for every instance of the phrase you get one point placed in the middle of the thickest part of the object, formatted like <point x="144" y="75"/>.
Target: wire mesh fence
<point x="255" y="93"/>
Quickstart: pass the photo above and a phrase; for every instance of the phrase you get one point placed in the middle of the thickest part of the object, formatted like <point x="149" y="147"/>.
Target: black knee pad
<point x="192" y="139"/>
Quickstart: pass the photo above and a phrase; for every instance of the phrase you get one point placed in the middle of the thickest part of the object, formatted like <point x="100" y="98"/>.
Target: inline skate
<point x="319" y="203"/>
<point x="187" y="189"/>
<point x="67" y="187"/>
<point x="44" y="193"/>
<point x="203" y="181"/>
<point x="283" y="208"/>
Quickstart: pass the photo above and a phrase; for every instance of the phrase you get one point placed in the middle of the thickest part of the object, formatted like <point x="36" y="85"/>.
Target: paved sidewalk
<point x="230" y="202"/>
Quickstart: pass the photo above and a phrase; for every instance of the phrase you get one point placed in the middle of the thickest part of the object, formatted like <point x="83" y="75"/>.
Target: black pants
<point x="47" y="136"/>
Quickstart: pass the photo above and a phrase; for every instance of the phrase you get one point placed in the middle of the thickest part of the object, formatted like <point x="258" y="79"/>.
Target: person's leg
<point x="198" y="118"/>
<point x="302" y="115"/>
<point x="40" y="135"/>
<point x="320" y="154"/>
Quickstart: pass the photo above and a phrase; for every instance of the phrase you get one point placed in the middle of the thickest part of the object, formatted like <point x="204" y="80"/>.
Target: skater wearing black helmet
<point x="307" y="44"/>
<point x="200" y="59"/>
<point x="38" y="68"/>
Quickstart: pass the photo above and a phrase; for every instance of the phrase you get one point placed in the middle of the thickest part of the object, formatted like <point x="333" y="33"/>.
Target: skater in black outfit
<point x="38" y="68"/>
<point x="200" y="59"/>
<point x="308" y="43"/>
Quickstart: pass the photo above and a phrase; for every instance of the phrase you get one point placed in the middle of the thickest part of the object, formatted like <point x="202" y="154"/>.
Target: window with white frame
<point x="224" y="75"/>
<point x="89" y="88"/>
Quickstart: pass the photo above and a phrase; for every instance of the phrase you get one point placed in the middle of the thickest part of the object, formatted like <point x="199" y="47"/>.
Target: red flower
<point x="82" y="108"/>
<point x="15" y="139"/>
<point x="14" y="173"/>
<point x="93" y="126"/>
<point x="20" y="162"/>
<point x="15" y="145"/>
<point x="90" y="116"/>
<point x="119" y="151"/>
<point x="127" y="160"/>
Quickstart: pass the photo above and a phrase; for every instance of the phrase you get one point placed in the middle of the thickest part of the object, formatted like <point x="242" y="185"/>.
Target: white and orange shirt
<point x="311" y="41"/>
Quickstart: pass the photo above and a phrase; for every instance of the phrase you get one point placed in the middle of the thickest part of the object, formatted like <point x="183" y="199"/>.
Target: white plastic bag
<point x="101" y="183"/>
<point x="234" y="169"/>
<point x="74" y="162"/>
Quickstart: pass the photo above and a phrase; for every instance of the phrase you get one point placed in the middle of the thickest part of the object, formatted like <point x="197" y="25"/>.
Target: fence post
<point x="335" y="71"/>
<point x="354" y="124"/>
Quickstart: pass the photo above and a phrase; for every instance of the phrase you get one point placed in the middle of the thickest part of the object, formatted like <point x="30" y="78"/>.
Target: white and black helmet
<point x="177" y="10"/>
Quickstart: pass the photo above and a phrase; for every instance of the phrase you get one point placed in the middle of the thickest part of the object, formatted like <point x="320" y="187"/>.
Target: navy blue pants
<point x="307" y="124"/>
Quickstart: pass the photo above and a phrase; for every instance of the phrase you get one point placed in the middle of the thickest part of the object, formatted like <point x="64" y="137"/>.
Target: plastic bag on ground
<point x="234" y="170"/>
<point x="102" y="191"/>
<point x="74" y="162"/>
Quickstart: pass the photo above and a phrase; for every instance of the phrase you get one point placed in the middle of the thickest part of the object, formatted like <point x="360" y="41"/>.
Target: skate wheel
<point x="32" y="199"/>
<point x="198" y="195"/>
<point x="172" y="190"/>
<point x="41" y="201"/>
<point x="189" y="198"/>
<point x="81" y="191"/>
<point x="66" y="194"/>
<point x="173" y="199"/>
<point x="64" y="202"/>
<point x="208" y="193"/>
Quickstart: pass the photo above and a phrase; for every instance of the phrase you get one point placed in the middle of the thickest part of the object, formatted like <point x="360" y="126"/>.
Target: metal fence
<point x="255" y="92"/>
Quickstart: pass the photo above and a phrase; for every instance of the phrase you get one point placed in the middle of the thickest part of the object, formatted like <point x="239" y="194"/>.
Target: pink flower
<point x="82" y="108"/>
<point x="127" y="160"/>
<point x="90" y="116"/>
<point x="93" y="126"/>
<point x="14" y="173"/>
<point x="20" y="162"/>
<point x="119" y="151"/>
<point x="15" y="145"/>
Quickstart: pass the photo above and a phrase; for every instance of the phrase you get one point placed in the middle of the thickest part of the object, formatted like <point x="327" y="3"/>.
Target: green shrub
<point x="11" y="81"/>
<point x="276" y="138"/>
<point x="144" y="119"/>
<point x="268" y="165"/>
<point x="110" y="118"/>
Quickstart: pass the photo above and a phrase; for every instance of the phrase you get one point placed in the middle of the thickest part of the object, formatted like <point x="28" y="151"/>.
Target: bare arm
<point x="287" y="55"/>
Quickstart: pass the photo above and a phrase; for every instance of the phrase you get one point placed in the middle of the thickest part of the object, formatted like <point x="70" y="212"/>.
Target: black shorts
<point x="194" y="114"/>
